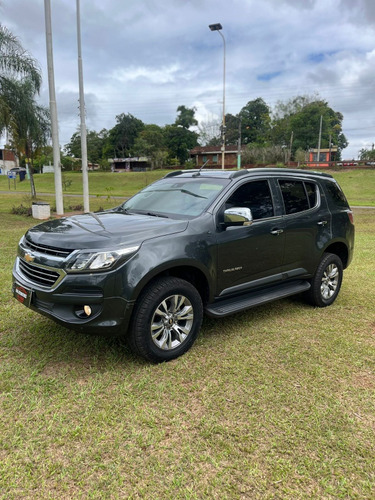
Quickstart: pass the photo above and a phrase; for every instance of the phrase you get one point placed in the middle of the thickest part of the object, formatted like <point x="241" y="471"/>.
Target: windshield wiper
<point x="185" y="191"/>
<point x="153" y="214"/>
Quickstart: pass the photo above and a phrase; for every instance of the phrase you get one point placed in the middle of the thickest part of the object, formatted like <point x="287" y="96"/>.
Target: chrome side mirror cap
<point x="238" y="216"/>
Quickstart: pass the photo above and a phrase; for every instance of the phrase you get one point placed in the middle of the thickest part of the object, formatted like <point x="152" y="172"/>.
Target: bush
<point x="21" y="210"/>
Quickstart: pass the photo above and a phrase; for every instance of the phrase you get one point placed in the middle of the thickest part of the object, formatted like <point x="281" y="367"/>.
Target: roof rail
<point x="238" y="173"/>
<point x="172" y="174"/>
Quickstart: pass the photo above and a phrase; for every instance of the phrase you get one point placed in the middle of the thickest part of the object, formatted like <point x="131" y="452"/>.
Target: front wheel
<point x="326" y="284"/>
<point x="166" y="319"/>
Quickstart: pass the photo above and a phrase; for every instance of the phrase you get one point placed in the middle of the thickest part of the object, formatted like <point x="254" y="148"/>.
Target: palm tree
<point x="15" y="61"/>
<point x="16" y="64"/>
<point x="20" y="81"/>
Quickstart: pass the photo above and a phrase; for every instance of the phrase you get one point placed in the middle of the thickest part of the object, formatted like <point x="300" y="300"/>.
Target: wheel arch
<point x="187" y="272"/>
<point x="341" y="250"/>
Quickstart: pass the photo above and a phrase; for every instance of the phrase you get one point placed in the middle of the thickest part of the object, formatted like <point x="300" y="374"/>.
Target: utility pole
<point x="290" y="147"/>
<point x="330" y="150"/>
<point x="239" y="145"/>
<point x="85" y="177"/>
<point x="218" y="27"/>
<point x="53" y="110"/>
<point x="320" y="138"/>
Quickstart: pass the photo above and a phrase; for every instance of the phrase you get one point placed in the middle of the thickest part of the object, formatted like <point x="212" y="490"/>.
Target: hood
<point x="102" y="230"/>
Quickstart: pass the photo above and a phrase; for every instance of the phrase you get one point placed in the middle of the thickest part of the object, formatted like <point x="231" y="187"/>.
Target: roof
<point x="231" y="148"/>
<point x="253" y="172"/>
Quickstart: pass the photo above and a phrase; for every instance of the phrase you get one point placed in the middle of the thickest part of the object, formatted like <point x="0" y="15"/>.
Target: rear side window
<point x="298" y="196"/>
<point x="294" y="196"/>
<point x="336" y="195"/>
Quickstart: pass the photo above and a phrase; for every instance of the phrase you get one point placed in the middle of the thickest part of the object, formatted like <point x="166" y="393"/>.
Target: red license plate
<point x="22" y="294"/>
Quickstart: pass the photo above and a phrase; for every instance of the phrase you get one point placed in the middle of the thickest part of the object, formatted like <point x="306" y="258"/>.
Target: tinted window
<point x="254" y="195"/>
<point x="311" y="191"/>
<point x="336" y="195"/>
<point x="294" y="196"/>
<point x="176" y="196"/>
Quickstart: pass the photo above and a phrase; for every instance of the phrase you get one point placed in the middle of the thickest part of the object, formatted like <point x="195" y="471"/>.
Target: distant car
<point x="350" y="163"/>
<point x="372" y="163"/>
<point x="17" y="169"/>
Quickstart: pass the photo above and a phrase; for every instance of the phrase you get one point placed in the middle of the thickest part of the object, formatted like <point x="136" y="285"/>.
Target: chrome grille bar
<point x="59" y="252"/>
<point x="39" y="275"/>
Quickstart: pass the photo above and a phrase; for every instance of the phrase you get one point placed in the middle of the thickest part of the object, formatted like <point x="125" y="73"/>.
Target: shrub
<point x="22" y="210"/>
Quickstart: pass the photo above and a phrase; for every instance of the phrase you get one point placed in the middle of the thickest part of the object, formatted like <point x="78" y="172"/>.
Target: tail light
<point x="350" y="215"/>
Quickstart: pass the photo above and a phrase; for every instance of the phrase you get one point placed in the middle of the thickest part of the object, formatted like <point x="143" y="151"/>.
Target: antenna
<point x="199" y="171"/>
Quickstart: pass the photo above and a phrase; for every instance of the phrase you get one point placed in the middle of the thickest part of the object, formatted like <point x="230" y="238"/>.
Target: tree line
<point x="284" y="133"/>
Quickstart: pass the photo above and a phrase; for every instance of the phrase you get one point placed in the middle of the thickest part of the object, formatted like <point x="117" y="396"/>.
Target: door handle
<point x="277" y="231"/>
<point x="322" y="223"/>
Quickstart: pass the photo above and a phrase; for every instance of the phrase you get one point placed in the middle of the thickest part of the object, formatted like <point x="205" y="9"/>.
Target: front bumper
<point x="64" y="302"/>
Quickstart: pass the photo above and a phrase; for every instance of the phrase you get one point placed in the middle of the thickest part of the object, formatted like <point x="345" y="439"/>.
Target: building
<point x="213" y="154"/>
<point x="326" y="156"/>
<point x="8" y="160"/>
<point x="136" y="164"/>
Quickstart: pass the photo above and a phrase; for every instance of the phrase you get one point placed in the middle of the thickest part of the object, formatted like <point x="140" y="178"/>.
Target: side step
<point x="252" y="299"/>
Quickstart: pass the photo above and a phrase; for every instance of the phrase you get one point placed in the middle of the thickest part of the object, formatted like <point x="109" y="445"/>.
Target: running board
<point x="252" y="299"/>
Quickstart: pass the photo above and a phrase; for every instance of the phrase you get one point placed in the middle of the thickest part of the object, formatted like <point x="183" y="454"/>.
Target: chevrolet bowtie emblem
<point x="29" y="257"/>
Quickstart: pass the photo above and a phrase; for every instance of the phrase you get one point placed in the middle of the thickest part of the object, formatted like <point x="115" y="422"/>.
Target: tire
<point x="166" y="320"/>
<point x="326" y="284"/>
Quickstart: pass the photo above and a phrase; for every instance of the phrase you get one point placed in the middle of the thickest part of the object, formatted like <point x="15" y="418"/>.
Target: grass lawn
<point x="358" y="185"/>
<point x="276" y="402"/>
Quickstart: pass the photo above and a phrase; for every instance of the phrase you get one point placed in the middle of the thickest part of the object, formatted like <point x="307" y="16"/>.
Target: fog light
<point x="87" y="310"/>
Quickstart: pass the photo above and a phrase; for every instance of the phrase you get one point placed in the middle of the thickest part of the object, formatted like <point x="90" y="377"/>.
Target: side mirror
<point x="238" y="216"/>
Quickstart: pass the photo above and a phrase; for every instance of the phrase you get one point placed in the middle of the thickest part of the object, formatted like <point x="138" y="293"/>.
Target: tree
<point x="255" y="122"/>
<point x="185" y="117"/>
<point x="301" y="115"/>
<point x="29" y="125"/>
<point x="16" y="64"/>
<point x="367" y="154"/>
<point x="151" y="143"/>
<point x="232" y="123"/>
<point x="96" y="142"/>
<point x="122" y="136"/>
<point x="179" y="141"/>
<point x="209" y="133"/>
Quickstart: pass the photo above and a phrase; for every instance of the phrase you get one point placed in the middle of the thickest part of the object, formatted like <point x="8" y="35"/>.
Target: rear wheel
<point x="166" y="319"/>
<point x="326" y="284"/>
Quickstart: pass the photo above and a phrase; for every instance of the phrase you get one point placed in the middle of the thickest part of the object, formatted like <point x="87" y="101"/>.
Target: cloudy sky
<point x="146" y="57"/>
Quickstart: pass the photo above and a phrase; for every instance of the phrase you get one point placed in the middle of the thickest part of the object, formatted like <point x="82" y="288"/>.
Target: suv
<point x="195" y="241"/>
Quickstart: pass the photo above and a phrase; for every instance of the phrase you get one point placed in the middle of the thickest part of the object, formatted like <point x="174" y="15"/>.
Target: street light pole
<point x="85" y="179"/>
<point x="218" y="27"/>
<point x="53" y="110"/>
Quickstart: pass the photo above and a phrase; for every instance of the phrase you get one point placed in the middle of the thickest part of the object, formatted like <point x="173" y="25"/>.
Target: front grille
<point x="40" y="275"/>
<point x="58" y="252"/>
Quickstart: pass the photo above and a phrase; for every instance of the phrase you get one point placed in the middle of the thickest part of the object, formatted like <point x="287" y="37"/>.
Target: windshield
<point x="173" y="197"/>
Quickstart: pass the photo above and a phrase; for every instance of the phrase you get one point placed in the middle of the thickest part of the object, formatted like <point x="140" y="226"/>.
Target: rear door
<point x="307" y="225"/>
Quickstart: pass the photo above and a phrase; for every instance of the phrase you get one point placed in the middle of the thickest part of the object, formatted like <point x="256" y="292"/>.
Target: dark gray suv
<point x="196" y="241"/>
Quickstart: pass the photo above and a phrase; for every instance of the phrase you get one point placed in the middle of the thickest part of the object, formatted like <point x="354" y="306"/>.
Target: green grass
<point x="358" y="185"/>
<point x="276" y="402"/>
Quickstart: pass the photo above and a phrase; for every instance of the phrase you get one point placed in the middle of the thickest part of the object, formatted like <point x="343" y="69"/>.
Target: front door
<point x="252" y="255"/>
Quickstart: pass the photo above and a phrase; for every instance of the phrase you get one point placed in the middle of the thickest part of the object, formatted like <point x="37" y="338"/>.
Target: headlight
<point x="86" y="261"/>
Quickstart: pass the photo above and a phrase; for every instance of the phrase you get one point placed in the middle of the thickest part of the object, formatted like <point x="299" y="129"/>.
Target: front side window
<point x="255" y="195"/>
<point x="298" y="196"/>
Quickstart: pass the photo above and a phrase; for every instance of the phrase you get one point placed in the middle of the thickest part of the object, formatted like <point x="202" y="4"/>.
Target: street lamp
<point x="218" y="27"/>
